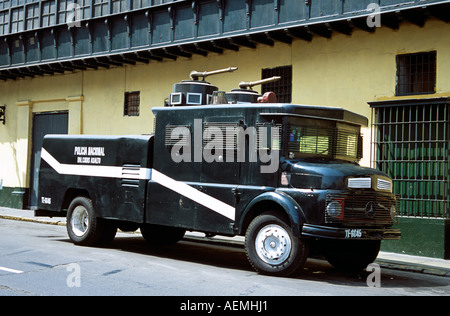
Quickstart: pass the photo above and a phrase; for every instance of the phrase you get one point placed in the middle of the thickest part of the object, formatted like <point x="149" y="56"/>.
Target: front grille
<point x="369" y="208"/>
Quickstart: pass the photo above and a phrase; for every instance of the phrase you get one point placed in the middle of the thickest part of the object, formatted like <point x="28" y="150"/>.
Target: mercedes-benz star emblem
<point x="370" y="210"/>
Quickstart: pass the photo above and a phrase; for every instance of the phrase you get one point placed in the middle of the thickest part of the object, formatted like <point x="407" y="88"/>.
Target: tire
<point x="158" y="235"/>
<point x="84" y="228"/>
<point x="109" y="231"/>
<point x="272" y="248"/>
<point x="351" y="255"/>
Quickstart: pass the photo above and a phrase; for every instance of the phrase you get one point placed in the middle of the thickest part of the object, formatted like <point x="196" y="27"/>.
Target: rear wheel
<point x="272" y="248"/>
<point x="84" y="228"/>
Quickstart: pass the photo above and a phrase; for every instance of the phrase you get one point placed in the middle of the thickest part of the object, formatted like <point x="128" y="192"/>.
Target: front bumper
<point x="350" y="233"/>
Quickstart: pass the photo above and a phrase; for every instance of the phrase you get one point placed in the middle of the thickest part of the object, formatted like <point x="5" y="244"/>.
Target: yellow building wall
<point x="349" y="71"/>
<point x="345" y="71"/>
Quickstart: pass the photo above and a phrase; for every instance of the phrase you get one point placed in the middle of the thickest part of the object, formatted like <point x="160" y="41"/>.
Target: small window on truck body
<point x="194" y="98"/>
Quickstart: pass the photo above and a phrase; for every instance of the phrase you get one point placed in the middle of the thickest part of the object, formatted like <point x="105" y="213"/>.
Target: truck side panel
<point x="112" y="171"/>
<point x="193" y="206"/>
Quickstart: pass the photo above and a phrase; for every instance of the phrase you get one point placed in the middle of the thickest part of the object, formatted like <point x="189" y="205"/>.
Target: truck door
<point x="197" y="194"/>
<point x="220" y="172"/>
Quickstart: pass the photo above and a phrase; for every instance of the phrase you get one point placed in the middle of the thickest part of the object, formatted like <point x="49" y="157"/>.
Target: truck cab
<point x="285" y="176"/>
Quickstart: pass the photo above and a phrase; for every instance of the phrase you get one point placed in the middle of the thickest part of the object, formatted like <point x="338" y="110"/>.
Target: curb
<point x="410" y="267"/>
<point x="239" y="243"/>
<point x="37" y="220"/>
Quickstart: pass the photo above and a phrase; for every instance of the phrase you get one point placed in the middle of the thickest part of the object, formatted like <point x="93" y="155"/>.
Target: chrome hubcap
<point x="273" y="244"/>
<point x="80" y="221"/>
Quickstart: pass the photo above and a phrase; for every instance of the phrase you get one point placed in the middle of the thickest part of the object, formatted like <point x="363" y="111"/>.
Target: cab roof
<point x="279" y="109"/>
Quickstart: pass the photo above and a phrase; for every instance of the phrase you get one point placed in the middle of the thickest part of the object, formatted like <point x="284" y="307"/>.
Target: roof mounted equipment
<point x="245" y="93"/>
<point x="195" y="91"/>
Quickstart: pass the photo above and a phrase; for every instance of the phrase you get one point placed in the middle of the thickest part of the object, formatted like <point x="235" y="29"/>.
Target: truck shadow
<point x="233" y="257"/>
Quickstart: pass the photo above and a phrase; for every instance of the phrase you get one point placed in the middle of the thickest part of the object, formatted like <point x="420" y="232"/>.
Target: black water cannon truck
<point x="284" y="176"/>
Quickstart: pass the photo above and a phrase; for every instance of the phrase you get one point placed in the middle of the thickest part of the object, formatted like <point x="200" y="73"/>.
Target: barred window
<point x="283" y="87"/>
<point x="306" y="141"/>
<point x="416" y="73"/>
<point x="132" y="103"/>
<point x="412" y="140"/>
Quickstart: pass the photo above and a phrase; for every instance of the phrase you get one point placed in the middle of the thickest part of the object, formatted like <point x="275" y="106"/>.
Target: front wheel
<point x="272" y="248"/>
<point x="351" y="255"/>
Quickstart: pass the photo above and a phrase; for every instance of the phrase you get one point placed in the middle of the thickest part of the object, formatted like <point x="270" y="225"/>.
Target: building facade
<point x="98" y="67"/>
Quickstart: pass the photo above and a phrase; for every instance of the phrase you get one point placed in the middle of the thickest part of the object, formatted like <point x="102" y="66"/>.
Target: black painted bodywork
<point x="312" y="180"/>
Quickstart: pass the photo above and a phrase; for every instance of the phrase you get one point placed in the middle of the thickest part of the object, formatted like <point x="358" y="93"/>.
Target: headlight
<point x="334" y="209"/>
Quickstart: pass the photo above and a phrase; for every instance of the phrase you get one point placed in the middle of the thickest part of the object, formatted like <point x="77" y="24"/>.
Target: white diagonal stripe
<point x="194" y="194"/>
<point x="144" y="174"/>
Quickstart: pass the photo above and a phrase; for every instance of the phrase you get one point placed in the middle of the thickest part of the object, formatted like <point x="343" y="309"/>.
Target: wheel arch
<point x="72" y="193"/>
<point x="278" y="202"/>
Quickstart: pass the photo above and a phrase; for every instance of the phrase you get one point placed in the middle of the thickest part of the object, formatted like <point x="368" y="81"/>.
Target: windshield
<point x="335" y="143"/>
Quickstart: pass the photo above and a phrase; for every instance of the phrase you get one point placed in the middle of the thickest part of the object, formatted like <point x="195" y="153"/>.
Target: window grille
<point x="315" y="141"/>
<point x="269" y="136"/>
<point x="412" y="145"/>
<point x="132" y="103"/>
<point x="416" y="73"/>
<point x="283" y="87"/>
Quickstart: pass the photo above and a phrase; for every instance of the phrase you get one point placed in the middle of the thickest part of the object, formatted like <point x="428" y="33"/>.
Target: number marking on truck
<point x="353" y="233"/>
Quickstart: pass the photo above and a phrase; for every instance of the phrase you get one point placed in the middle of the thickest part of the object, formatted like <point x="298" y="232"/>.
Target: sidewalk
<point x="386" y="260"/>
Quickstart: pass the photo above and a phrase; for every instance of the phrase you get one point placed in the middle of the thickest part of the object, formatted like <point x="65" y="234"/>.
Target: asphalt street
<point x="39" y="259"/>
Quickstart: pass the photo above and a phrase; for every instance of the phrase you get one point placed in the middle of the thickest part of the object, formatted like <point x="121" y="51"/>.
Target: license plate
<point x="353" y="233"/>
